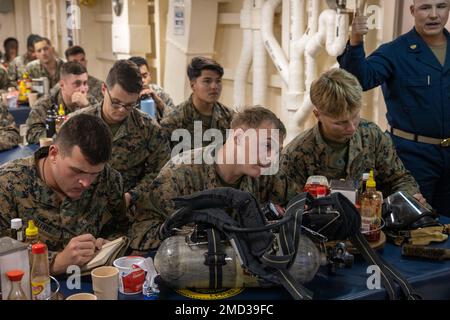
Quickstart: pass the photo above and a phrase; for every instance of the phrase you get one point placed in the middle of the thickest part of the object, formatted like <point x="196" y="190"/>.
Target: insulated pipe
<point x="334" y="38"/>
<point x="245" y="60"/>
<point x="304" y="110"/>
<point x="360" y="4"/>
<point x="273" y="48"/>
<point x="259" y="59"/>
<point x="295" y="64"/>
<point x="336" y="41"/>
<point x="326" y="21"/>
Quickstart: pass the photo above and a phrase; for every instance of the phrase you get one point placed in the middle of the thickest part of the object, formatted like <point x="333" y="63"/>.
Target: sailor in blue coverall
<point x="414" y="72"/>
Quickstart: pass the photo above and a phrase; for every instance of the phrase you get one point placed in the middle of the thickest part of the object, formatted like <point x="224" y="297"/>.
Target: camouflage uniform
<point x="168" y="102"/>
<point x="184" y="115"/>
<point x="4" y="80"/>
<point x="9" y="135"/>
<point x="36" y="70"/>
<point x="308" y="154"/>
<point x="139" y="150"/>
<point x="38" y="114"/>
<point x="95" y="88"/>
<point x="100" y="211"/>
<point x="17" y="67"/>
<point x="181" y="178"/>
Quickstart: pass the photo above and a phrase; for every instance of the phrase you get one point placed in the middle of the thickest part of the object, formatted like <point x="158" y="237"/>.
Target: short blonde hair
<point x="336" y="92"/>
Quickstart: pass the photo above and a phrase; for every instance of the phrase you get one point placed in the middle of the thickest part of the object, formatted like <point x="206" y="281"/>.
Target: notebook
<point x="107" y="254"/>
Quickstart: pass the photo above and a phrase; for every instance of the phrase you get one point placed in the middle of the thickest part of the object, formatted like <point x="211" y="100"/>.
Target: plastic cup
<point x="105" y="282"/>
<point x="131" y="277"/>
<point x="32" y="98"/>
<point x="82" y="296"/>
<point x="12" y="102"/>
<point x="148" y="106"/>
<point x="45" y="142"/>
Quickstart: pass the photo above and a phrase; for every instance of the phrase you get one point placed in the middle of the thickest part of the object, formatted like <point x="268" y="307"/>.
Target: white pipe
<point x="293" y="97"/>
<point x="259" y="70"/>
<point x="337" y="36"/>
<point x="304" y="110"/>
<point x="273" y="48"/>
<point x="295" y="63"/>
<point x="326" y="23"/>
<point x="245" y="60"/>
<point x="313" y="16"/>
<point x="259" y="59"/>
<point x="329" y="35"/>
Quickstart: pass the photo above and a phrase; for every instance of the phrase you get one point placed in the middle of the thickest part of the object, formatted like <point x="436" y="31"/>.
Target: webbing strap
<point x="389" y="275"/>
<point x="215" y="259"/>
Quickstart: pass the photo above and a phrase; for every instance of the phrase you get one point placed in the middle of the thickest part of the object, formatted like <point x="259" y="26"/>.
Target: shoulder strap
<point x="389" y="275"/>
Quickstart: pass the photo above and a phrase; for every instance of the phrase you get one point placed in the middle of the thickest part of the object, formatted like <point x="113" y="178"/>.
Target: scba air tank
<point x="182" y="265"/>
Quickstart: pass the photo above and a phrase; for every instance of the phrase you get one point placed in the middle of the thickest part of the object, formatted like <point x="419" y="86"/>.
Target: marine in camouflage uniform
<point x="36" y="70"/>
<point x="100" y="211"/>
<point x="17" y="67"/>
<point x="38" y="115"/>
<point x="5" y="83"/>
<point x="94" y="84"/>
<point x="184" y="115"/>
<point x="9" y="135"/>
<point x="180" y="177"/>
<point x="139" y="150"/>
<point x="369" y="148"/>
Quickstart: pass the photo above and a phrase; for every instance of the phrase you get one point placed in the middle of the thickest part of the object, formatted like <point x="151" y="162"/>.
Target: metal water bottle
<point x="50" y="123"/>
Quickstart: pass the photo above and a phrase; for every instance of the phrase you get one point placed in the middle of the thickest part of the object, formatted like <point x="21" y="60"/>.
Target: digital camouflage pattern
<point x="100" y="211"/>
<point x="5" y="83"/>
<point x="17" y="67"/>
<point x="139" y="150"/>
<point x="36" y="70"/>
<point x="184" y="115"/>
<point x="9" y="135"/>
<point x="179" y="179"/>
<point x="95" y="88"/>
<point x="308" y="154"/>
<point x="38" y="114"/>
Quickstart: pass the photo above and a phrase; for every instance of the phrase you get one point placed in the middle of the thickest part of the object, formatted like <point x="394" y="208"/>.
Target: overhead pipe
<point x="304" y="110"/>
<point x="273" y="48"/>
<point x="259" y="58"/>
<point x="332" y="34"/>
<point x="296" y="70"/>
<point x="245" y="59"/>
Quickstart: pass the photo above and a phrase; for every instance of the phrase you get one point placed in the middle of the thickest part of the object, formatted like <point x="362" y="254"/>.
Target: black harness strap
<point x="215" y="259"/>
<point x="389" y="275"/>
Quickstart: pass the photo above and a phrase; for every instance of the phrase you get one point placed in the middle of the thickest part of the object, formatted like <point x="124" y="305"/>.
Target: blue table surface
<point x="18" y="153"/>
<point x="20" y="114"/>
<point x="429" y="278"/>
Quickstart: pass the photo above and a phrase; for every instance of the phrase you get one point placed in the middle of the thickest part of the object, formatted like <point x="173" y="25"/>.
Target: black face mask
<point x="403" y="212"/>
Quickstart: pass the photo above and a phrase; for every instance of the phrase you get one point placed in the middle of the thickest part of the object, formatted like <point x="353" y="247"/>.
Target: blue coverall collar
<point x="418" y="46"/>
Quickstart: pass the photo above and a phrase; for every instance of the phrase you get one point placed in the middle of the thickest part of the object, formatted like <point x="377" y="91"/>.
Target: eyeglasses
<point x="117" y="105"/>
